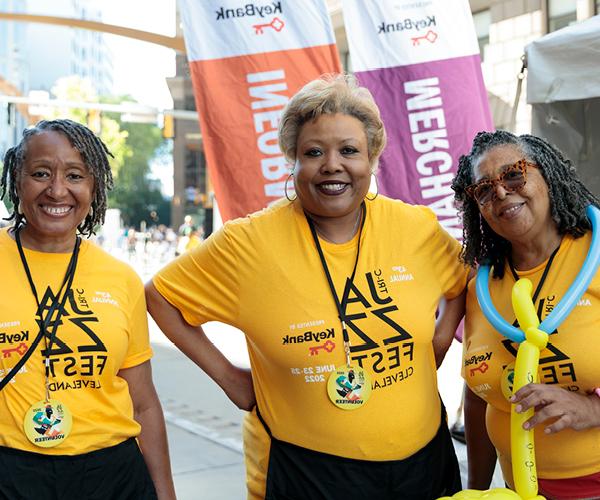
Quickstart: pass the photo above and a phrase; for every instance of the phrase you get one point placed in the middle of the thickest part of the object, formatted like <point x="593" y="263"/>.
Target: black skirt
<point x="115" y="473"/>
<point x="296" y="473"/>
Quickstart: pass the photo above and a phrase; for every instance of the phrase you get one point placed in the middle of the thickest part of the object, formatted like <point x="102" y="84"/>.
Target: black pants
<point x="296" y="473"/>
<point x="115" y="473"/>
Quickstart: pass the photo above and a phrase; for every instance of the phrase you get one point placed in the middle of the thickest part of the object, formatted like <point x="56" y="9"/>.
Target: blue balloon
<point x="563" y="308"/>
<point x="482" y="290"/>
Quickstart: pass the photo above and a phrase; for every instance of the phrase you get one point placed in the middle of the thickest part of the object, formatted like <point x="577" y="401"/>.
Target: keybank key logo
<point x="431" y="36"/>
<point x="277" y="24"/>
<point x="249" y="10"/>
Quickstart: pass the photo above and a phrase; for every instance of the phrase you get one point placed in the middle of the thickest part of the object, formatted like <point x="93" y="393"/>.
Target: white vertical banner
<point x="420" y="59"/>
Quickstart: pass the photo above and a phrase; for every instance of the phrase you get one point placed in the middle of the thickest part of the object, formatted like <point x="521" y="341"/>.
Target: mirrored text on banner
<point x="246" y="60"/>
<point x="420" y="59"/>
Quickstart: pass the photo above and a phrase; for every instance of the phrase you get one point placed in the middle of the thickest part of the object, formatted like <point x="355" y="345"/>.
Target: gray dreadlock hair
<point x="568" y="196"/>
<point x="93" y="152"/>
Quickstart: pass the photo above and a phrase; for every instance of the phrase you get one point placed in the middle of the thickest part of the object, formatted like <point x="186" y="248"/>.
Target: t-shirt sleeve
<point x="138" y="350"/>
<point x="202" y="284"/>
<point x="445" y="250"/>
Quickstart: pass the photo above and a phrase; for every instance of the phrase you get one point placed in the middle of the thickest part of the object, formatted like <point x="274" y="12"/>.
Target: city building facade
<point x="73" y="51"/>
<point x="14" y="75"/>
<point x="34" y="55"/>
<point x="192" y="191"/>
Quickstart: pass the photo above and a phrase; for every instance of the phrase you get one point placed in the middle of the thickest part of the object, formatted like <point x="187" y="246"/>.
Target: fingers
<point x="532" y="395"/>
<point x="563" y="422"/>
<point x="562" y="409"/>
<point x="552" y="411"/>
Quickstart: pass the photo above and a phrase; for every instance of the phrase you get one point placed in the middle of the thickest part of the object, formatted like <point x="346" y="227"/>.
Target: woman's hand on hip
<point x="192" y="341"/>
<point x="564" y="409"/>
<point x="239" y="388"/>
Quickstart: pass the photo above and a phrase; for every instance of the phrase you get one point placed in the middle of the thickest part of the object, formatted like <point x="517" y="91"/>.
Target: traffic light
<point x="94" y="120"/>
<point x="168" y="130"/>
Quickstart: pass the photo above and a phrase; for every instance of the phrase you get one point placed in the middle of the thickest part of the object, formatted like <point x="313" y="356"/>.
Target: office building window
<point x="482" y="20"/>
<point x="561" y="13"/>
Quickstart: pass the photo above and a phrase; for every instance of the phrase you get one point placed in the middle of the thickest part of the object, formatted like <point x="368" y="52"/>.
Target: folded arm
<point x="193" y="342"/>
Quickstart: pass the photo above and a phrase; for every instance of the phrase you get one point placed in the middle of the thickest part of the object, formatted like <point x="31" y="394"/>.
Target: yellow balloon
<point x="526" y="366"/>
<point x="501" y="494"/>
<point x="493" y="494"/>
<point x="537" y="337"/>
<point x="521" y="440"/>
<point x="468" y="494"/>
<point x="523" y="305"/>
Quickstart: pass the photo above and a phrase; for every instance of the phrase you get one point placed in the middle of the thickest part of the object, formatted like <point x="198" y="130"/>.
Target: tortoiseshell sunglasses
<point x="512" y="179"/>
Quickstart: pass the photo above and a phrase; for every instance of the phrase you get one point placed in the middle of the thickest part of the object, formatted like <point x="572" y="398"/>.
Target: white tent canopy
<point x="565" y="65"/>
<point x="563" y="85"/>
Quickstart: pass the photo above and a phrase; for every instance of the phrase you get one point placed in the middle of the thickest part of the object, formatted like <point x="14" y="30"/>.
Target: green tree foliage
<point x="77" y="89"/>
<point x="135" y="194"/>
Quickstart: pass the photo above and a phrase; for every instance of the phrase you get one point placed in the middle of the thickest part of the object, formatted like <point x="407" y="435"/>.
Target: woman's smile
<point x="55" y="211"/>
<point x="332" y="188"/>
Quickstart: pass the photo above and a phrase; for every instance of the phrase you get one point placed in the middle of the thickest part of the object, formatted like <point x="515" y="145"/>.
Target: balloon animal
<point x="521" y="440"/>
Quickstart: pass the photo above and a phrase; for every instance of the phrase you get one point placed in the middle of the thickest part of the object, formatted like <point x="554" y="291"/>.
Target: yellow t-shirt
<point x="262" y="274"/>
<point x="103" y="329"/>
<point x="570" y="360"/>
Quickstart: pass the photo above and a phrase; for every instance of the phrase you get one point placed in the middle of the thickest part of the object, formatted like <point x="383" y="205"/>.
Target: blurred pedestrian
<point x="195" y="239"/>
<point x="183" y="235"/>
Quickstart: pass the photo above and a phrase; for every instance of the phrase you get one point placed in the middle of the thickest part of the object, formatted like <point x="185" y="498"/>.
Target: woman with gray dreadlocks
<point x="76" y="387"/>
<point x="523" y="210"/>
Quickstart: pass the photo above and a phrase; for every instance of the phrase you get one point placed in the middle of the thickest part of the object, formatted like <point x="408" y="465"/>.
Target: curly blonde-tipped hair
<point x="328" y="95"/>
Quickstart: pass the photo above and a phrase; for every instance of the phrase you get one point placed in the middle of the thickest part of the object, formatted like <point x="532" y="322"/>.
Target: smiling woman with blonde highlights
<point x="76" y="395"/>
<point x="336" y="290"/>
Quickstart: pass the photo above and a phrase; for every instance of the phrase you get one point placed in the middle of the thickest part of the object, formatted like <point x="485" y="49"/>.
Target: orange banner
<point x="246" y="61"/>
<point x="240" y="101"/>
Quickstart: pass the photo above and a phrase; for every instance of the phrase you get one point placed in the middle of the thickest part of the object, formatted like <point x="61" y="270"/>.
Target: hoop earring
<point x="19" y="208"/>
<point x="286" y="188"/>
<point x="91" y="212"/>
<point x="376" y="188"/>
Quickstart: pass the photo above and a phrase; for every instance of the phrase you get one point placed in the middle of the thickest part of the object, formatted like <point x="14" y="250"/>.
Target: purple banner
<point x="432" y="112"/>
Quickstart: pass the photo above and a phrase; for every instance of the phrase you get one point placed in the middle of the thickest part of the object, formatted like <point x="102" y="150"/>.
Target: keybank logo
<point x="427" y="22"/>
<point x="249" y="10"/>
<point x="309" y="336"/>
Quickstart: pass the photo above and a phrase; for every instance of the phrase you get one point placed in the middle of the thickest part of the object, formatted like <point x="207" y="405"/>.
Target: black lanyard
<point x="544" y="274"/>
<point x="341" y="309"/>
<point x="57" y="303"/>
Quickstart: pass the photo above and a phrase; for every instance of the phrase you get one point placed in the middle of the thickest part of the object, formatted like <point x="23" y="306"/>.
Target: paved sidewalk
<point x="204" y="430"/>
